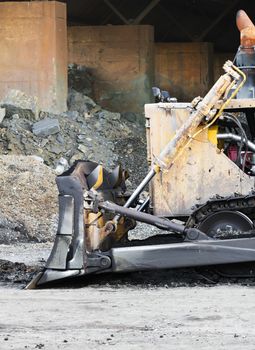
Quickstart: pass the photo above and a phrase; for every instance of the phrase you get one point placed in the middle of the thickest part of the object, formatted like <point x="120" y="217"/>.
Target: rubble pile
<point x="81" y="79"/>
<point x="85" y="131"/>
<point x="35" y="146"/>
<point x="29" y="200"/>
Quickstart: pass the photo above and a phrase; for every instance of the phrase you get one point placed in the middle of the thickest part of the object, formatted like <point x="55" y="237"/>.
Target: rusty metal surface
<point x="239" y="103"/>
<point x="200" y="108"/>
<point x="202" y="171"/>
<point x="233" y="104"/>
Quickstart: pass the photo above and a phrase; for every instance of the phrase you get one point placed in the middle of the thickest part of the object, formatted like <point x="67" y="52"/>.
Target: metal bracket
<point x="97" y="261"/>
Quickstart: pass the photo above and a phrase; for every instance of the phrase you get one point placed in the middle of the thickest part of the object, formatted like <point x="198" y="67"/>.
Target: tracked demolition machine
<point x="202" y="180"/>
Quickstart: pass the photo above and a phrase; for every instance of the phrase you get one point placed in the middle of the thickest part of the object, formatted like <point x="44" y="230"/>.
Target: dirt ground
<point x="128" y="318"/>
<point x="162" y="310"/>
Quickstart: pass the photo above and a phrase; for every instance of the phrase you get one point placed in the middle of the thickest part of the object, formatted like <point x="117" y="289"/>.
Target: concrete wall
<point x="33" y="55"/>
<point x="121" y="60"/>
<point x="184" y="69"/>
<point x="33" y="41"/>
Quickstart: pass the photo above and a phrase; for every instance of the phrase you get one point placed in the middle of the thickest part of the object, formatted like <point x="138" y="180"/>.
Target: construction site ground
<point x="176" y="309"/>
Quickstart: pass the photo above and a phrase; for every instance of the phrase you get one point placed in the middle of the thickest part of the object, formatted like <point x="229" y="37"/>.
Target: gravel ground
<point x="20" y="262"/>
<point x="174" y="309"/>
<point x="128" y="318"/>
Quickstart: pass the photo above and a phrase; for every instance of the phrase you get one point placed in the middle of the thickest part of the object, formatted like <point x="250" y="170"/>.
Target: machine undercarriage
<point x="202" y="172"/>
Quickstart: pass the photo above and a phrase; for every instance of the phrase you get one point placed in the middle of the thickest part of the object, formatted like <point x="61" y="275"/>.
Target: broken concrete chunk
<point x="60" y="139"/>
<point x="75" y="157"/>
<point x="108" y="115"/>
<point x="2" y="114"/>
<point x="22" y="113"/>
<point x="72" y="114"/>
<point x="46" y="127"/>
<point x="79" y="102"/>
<point x="55" y="149"/>
<point x="83" y="148"/>
<point x="17" y="101"/>
<point x="61" y="166"/>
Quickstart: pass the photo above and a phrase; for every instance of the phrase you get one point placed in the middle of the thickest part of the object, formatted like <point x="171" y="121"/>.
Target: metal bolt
<point x="105" y="262"/>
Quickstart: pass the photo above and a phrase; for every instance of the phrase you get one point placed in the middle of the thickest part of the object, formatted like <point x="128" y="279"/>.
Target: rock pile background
<point x="35" y="146"/>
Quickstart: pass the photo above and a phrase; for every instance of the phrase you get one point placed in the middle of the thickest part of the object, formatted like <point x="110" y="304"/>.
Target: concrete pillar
<point x="121" y="60"/>
<point x="33" y="57"/>
<point x="184" y="69"/>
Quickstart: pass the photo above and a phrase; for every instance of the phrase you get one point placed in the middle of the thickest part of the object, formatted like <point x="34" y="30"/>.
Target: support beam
<point x="109" y="14"/>
<point x="217" y="20"/>
<point x="116" y="11"/>
<point x="144" y="13"/>
<point x="177" y="23"/>
<point x="106" y="19"/>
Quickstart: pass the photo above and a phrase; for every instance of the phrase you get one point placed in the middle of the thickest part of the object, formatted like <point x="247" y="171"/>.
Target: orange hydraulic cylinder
<point x="247" y="29"/>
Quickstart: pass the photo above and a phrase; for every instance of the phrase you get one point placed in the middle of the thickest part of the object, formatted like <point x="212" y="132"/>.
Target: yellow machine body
<point x="200" y="173"/>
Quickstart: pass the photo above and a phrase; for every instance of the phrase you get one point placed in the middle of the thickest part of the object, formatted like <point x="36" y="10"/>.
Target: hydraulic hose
<point x="230" y="136"/>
